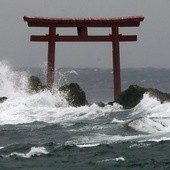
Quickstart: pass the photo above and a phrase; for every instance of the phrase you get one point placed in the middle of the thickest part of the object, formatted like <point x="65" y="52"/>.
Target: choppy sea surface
<point x="40" y="131"/>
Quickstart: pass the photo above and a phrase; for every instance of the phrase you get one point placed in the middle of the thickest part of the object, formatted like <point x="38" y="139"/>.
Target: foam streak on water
<point x="113" y="159"/>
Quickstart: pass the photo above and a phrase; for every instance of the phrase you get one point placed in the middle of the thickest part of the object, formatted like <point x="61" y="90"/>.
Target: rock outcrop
<point x="2" y="99"/>
<point x="35" y="84"/>
<point x="133" y="95"/>
<point x="74" y="94"/>
<point x="100" y="104"/>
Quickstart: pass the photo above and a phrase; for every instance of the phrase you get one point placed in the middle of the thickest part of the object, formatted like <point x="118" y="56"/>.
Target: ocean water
<point x="40" y="131"/>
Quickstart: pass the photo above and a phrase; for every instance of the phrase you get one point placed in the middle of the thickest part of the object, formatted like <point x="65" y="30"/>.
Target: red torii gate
<point x="82" y="24"/>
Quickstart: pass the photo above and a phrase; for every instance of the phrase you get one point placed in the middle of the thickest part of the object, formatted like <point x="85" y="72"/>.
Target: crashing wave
<point x="35" y="151"/>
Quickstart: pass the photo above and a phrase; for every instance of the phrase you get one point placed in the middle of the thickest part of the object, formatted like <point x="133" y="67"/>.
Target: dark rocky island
<point x="2" y="99"/>
<point x="74" y="94"/>
<point x="133" y="95"/>
<point x="35" y="84"/>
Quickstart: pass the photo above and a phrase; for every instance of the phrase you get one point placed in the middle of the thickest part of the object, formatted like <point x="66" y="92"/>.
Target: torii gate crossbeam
<point x="82" y="25"/>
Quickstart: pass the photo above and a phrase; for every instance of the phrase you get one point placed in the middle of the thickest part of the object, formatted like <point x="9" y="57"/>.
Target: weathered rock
<point x="2" y="99"/>
<point x="74" y="94"/>
<point x="162" y="97"/>
<point x="133" y="95"/>
<point x="35" y="84"/>
<point x="100" y="104"/>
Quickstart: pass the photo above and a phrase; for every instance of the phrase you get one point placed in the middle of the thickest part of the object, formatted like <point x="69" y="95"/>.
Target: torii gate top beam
<point x="132" y="21"/>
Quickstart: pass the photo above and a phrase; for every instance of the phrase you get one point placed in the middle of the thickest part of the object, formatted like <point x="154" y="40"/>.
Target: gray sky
<point x="151" y="50"/>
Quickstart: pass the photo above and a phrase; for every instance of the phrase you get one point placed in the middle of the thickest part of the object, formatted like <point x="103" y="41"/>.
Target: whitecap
<point x="147" y="125"/>
<point x="87" y="145"/>
<point x="112" y="159"/>
<point x="102" y="139"/>
<point x="49" y="108"/>
<point x="117" y="121"/>
<point x="35" y="151"/>
<point x="156" y="139"/>
<point x="139" y="145"/>
<point x="151" y="116"/>
<point x="72" y="72"/>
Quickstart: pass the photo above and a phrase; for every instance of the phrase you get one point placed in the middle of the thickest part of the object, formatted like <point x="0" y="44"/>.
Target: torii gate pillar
<point x="116" y="63"/>
<point x="51" y="57"/>
<point x="82" y="36"/>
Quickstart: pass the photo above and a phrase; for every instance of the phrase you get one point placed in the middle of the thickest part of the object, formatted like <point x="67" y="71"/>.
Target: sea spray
<point x="11" y="83"/>
<point x="21" y="104"/>
<point x="51" y="107"/>
<point x="151" y="116"/>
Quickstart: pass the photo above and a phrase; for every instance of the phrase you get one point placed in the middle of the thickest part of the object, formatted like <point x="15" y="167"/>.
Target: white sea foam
<point x="112" y="159"/>
<point x="117" y="121"/>
<point x="117" y="106"/>
<point x="87" y="145"/>
<point x="120" y="159"/>
<point x="139" y="145"/>
<point x="22" y="107"/>
<point x="102" y="139"/>
<point x="156" y="139"/>
<point x="147" y="125"/>
<point x="42" y="107"/>
<point x="35" y="151"/>
<point x="151" y="116"/>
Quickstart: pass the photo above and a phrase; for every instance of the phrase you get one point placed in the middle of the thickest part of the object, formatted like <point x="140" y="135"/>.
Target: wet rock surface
<point x="74" y="94"/>
<point x="134" y="94"/>
<point x="2" y="99"/>
<point x="35" y="84"/>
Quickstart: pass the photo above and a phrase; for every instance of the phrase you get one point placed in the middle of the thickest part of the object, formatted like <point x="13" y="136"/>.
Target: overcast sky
<point x="151" y="50"/>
